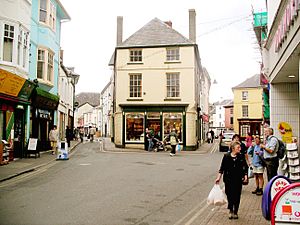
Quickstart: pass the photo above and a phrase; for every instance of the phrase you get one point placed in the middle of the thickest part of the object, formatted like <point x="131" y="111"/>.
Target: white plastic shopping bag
<point x="178" y="148"/>
<point x="250" y="172"/>
<point x="216" y="196"/>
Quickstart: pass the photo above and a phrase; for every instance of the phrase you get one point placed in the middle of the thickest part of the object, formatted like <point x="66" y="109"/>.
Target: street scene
<point x="149" y="112"/>
<point x="110" y="187"/>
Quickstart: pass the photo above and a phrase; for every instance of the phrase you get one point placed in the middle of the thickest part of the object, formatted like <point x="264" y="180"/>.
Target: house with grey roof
<point x="249" y="106"/>
<point x="87" y="109"/>
<point x="158" y="84"/>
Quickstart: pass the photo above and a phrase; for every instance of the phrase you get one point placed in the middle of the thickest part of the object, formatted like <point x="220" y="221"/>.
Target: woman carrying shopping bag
<point x="234" y="169"/>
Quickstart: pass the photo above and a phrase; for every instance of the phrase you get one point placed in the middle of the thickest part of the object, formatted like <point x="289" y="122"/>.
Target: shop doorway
<point x="19" y="133"/>
<point x="154" y="124"/>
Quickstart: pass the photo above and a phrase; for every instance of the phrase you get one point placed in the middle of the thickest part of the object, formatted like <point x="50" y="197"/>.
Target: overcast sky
<point x="224" y="34"/>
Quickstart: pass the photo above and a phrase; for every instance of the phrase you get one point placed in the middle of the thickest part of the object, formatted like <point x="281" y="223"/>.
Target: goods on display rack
<point x="293" y="161"/>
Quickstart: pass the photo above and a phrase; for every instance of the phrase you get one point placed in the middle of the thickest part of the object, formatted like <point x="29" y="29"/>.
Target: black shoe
<point x="255" y="191"/>
<point x="235" y="216"/>
<point x="259" y="192"/>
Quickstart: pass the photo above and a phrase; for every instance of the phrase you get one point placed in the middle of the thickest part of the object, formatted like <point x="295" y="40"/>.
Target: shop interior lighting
<point x="291" y="76"/>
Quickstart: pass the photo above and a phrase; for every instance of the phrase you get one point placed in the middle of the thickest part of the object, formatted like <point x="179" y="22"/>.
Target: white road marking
<point x="85" y="164"/>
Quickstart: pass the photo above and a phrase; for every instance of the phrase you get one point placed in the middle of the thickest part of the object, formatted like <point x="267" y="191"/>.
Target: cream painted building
<point x="248" y="107"/>
<point x="157" y="78"/>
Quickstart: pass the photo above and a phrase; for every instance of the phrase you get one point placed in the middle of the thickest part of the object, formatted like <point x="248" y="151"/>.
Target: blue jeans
<point x="150" y="146"/>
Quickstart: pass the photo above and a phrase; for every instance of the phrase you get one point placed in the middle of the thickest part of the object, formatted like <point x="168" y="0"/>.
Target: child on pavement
<point x="257" y="165"/>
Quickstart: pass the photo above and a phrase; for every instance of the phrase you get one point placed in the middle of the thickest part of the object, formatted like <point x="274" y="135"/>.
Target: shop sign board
<point x="32" y="143"/>
<point x="286" y="131"/>
<point x="10" y="84"/>
<point x="278" y="185"/>
<point x="287" y="20"/>
<point x="286" y="206"/>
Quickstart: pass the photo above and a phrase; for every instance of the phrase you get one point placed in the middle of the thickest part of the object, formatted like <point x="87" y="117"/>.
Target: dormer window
<point x="136" y="55"/>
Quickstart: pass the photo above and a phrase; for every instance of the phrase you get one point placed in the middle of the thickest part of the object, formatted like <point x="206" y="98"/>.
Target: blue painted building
<point x="46" y="19"/>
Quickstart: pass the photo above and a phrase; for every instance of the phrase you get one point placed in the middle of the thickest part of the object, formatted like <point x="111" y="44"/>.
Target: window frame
<point x="172" y="54"/>
<point x="172" y="90"/>
<point x="10" y="38"/>
<point x="45" y="76"/>
<point x="135" y="58"/>
<point x="135" y="89"/>
<point x="245" y="95"/>
<point x="245" y="111"/>
<point x="50" y="19"/>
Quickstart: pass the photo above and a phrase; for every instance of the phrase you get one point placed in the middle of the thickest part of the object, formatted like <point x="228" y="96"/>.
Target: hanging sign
<point x="286" y="132"/>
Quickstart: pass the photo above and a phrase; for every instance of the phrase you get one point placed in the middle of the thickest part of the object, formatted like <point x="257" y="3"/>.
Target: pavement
<point x="250" y="208"/>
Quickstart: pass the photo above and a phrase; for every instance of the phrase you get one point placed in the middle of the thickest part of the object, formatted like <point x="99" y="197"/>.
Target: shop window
<point x="134" y="127"/>
<point x="172" y="121"/>
<point x="245" y="129"/>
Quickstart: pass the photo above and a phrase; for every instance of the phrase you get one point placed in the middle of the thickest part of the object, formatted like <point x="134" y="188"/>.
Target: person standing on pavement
<point x="81" y="133"/>
<point x="234" y="169"/>
<point x="69" y="136"/>
<point x="244" y="149"/>
<point x="257" y="165"/>
<point x="212" y="136"/>
<point x="92" y="132"/>
<point x="173" y="141"/>
<point x="249" y="140"/>
<point x="270" y="153"/>
<point x="53" y="138"/>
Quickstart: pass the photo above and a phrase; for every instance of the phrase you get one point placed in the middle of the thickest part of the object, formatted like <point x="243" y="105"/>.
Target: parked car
<point x="226" y="141"/>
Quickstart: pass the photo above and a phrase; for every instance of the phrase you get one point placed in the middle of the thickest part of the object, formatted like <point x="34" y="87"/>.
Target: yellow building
<point x="157" y="74"/>
<point x="248" y="107"/>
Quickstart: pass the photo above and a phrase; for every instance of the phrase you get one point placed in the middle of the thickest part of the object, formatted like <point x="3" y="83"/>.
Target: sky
<point x="225" y="37"/>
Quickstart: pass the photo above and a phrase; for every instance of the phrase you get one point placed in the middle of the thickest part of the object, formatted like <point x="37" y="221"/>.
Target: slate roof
<point x="92" y="98"/>
<point x="252" y="82"/>
<point x="155" y="33"/>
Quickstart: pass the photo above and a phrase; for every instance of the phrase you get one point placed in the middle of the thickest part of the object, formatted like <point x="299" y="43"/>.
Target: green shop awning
<point x="45" y="100"/>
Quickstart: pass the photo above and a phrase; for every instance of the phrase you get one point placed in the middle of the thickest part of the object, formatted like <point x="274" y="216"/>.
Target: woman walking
<point x="257" y="165"/>
<point x="234" y="169"/>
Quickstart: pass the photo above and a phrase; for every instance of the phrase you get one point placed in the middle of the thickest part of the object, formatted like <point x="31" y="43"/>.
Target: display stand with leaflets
<point x="285" y="207"/>
<point x="272" y="188"/>
<point x="293" y="161"/>
<point x="62" y="151"/>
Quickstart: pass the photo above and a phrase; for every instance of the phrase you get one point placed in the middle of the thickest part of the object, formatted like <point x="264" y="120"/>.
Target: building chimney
<point x="61" y="55"/>
<point x="192" y="25"/>
<point x="119" y="30"/>
<point x="169" y="23"/>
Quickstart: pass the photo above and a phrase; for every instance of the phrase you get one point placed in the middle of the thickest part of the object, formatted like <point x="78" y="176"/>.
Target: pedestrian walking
<point x="149" y="138"/>
<point x="92" y="132"/>
<point x="69" y="136"/>
<point x="81" y="133"/>
<point x="212" y="136"/>
<point x="257" y="164"/>
<point x="234" y="170"/>
<point x="244" y="149"/>
<point x="53" y="138"/>
<point x="208" y="137"/>
<point x="270" y="153"/>
<point x="173" y="138"/>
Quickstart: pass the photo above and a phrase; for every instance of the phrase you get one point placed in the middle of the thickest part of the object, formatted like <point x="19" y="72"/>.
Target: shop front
<point x="44" y="105"/>
<point x="158" y="121"/>
<point x="15" y="93"/>
<point x="253" y="126"/>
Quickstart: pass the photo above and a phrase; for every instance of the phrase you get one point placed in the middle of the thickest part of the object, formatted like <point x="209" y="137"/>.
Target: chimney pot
<point x="169" y="23"/>
<point x="192" y="25"/>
